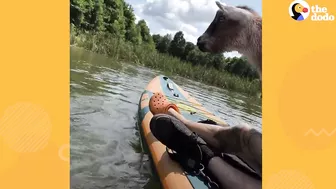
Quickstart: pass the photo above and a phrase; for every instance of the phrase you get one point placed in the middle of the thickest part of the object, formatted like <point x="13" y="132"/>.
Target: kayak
<point x="171" y="175"/>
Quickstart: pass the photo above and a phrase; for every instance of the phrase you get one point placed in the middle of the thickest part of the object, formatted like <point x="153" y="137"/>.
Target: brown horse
<point x="234" y="28"/>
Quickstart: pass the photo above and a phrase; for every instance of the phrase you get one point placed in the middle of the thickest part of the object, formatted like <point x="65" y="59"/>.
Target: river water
<point x="105" y="147"/>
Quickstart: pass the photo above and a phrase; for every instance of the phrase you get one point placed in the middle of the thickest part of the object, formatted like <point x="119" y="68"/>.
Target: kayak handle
<point x="171" y="88"/>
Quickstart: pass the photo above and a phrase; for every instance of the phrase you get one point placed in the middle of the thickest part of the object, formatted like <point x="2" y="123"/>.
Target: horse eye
<point x="222" y="18"/>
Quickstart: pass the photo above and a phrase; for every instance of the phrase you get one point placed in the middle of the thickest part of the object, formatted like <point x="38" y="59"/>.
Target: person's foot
<point x="176" y="136"/>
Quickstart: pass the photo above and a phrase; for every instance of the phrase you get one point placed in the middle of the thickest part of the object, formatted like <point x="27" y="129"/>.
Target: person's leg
<point x="176" y="136"/>
<point x="239" y="140"/>
<point x="243" y="141"/>
<point x="231" y="178"/>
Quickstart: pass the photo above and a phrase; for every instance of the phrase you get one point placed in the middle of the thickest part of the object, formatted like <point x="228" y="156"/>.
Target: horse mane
<point x="248" y="9"/>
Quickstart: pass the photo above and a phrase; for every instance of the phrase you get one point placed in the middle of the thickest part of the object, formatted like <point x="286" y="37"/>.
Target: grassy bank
<point x="104" y="43"/>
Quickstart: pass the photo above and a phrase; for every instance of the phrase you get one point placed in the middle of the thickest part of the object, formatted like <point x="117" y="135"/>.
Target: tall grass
<point x="104" y="43"/>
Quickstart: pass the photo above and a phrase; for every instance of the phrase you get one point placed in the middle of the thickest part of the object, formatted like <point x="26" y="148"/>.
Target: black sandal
<point x="177" y="137"/>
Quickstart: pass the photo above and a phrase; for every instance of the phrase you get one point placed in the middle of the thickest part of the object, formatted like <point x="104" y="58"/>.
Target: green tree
<point x="114" y="18"/>
<point x="187" y="49"/>
<point x="145" y="34"/>
<point x="144" y="31"/>
<point x="163" y="44"/>
<point x="132" y="32"/>
<point x="98" y="16"/>
<point x="156" y="38"/>
<point x="78" y="13"/>
<point x="196" y="57"/>
<point x="176" y="47"/>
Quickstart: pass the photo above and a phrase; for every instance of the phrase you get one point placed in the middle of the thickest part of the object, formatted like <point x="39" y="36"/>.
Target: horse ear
<point x="233" y="12"/>
<point x="220" y="5"/>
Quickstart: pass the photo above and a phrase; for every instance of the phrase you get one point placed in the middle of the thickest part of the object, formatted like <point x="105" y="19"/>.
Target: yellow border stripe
<point x="34" y="85"/>
<point x="299" y="98"/>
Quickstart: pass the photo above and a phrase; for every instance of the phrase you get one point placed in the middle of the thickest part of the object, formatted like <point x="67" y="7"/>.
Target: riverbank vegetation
<point x="109" y="27"/>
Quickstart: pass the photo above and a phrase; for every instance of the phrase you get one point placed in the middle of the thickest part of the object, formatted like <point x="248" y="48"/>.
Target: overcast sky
<point x="190" y="16"/>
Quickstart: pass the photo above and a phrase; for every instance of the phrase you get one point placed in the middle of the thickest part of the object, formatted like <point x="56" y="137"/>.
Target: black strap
<point x="192" y="166"/>
<point x="188" y="164"/>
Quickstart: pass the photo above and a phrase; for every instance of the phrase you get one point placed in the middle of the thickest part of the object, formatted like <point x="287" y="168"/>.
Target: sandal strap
<point x="192" y="166"/>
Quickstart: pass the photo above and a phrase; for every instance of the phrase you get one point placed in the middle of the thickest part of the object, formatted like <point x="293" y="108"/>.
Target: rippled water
<point x="105" y="150"/>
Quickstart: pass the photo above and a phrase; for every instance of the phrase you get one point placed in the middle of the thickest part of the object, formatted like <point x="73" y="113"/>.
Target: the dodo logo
<point x="300" y="10"/>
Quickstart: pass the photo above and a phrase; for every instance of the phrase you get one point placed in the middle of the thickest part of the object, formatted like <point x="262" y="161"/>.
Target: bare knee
<point x="230" y="139"/>
<point x="237" y="138"/>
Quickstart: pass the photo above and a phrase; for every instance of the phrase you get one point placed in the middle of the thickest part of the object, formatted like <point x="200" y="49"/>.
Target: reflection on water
<point x="105" y="148"/>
